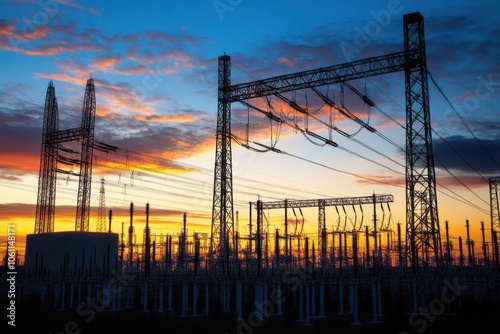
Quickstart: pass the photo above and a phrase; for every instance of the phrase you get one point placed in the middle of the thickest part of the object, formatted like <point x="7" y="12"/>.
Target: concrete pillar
<point x="265" y="298"/>
<point x="379" y="298"/>
<point x="308" y="304"/>
<point x="313" y="299"/>
<point x="341" y="297"/>
<point x="71" y="296"/>
<point x="145" y="297"/>
<point x="374" y="302"/>
<point x="63" y="295"/>
<point x="195" y="286"/>
<point x="279" y="312"/>
<point x="206" y="298"/>
<point x="301" y="302"/>
<point x="184" y="303"/>
<point x="355" y="307"/>
<point x="160" y="299"/>
<point x="259" y="306"/>
<point x="322" y="298"/>
<point x="43" y="293"/>
<point x="414" y="286"/>
<point x="238" y="301"/>
<point x="170" y="295"/>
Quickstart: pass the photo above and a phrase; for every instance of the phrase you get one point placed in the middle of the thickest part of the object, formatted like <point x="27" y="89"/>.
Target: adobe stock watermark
<point x="223" y="6"/>
<point x="151" y="80"/>
<point x="275" y="299"/>
<point x="104" y="297"/>
<point x="421" y="318"/>
<point x="363" y="36"/>
<point x="482" y="92"/>
<point x="48" y="9"/>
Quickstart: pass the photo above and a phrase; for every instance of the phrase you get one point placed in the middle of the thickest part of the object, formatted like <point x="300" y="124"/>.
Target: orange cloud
<point x="20" y="162"/>
<point x="288" y="62"/>
<point x="51" y="50"/>
<point x="75" y="80"/>
<point x="393" y="180"/>
<point x="178" y="118"/>
<point x="105" y="64"/>
<point x="6" y="27"/>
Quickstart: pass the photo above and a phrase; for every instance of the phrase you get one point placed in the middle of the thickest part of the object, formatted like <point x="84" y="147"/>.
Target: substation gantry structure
<point x="321" y="204"/>
<point x="422" y="221"/>
<point x="52" y="140"/>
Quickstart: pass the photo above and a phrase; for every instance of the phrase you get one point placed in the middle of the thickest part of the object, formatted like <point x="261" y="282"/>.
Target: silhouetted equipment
<point x="52" y="138"/>
<point x="222" y="229"/>
<point x="422" y="222"/>
<point x="72" y="253"/>
<point x="321" y="204"/>
<point x="147" y="244"/>
<point x="101" y="213"/>
<point x="495" y="217"/>
<point x="45" y="208"/>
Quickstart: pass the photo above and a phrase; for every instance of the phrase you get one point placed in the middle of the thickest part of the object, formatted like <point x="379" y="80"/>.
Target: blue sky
<point x="155" y="68"/>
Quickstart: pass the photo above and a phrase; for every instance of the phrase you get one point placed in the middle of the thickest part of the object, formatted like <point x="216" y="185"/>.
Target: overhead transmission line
<point x="462" y="120"/>
<point x="444" y="166"/>
<point x="273" y="149"/>
<point x="164" y="176"/>
<point x="306" y="131"/>
<point x="345" y="112"/>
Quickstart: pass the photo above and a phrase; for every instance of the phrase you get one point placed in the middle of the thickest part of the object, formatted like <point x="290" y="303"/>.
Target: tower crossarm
<point x="64" y="136"/>
<point x="364" y="68"/>
<point x="341" y="201"/>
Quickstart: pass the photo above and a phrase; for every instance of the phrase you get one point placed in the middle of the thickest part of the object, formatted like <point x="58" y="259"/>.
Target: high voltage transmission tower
<point x="101" y="213"/>
<point x="495" y="215"/>
<point x="222" y="230"/>
<point x="52" y="138"/>
<point x="45" y="207"/>
<point x="422" y="222"/>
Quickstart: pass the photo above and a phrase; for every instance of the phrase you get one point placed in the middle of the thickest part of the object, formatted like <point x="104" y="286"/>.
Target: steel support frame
<point x="494" y="216"/>
<point x="45" y="207"/>
<point x="52" y="137"/>
<point x="222" y="229"/>
<point x="422" y="221"/>
<point x="86" y="158"/>
<point x="321" y="204"/>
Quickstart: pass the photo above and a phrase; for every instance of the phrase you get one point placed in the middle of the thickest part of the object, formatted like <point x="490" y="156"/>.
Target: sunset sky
<point x="155" y="69"/>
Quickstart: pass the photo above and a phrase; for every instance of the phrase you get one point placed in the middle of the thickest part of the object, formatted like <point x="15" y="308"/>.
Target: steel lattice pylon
<point x="52" y="137"/>
<point x="422" y="224"/>
<point x="222" y="231"/>
<point x="84" y="185"/>
<point x="494" y="203"/>
<point x="101" y="213"/>
<point x="495" y="215"/>
<point x="45" y="206"/>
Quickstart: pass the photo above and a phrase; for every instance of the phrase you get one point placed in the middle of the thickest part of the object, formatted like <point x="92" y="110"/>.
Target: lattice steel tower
<point x="494" y="204"/>
<point x="222" y="231"/>
<point x="85" y="183"/>
<point x="422" y="221"/>
<point x="52" y="137"/>
<point x="101" y="213"/>
<point x="45" y="205"/>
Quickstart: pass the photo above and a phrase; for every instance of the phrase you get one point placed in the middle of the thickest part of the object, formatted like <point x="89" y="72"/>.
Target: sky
<point x="154" y="64"/>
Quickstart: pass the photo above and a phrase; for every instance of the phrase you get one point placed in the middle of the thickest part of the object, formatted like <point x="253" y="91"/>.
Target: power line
<point x="462" y="120"/>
